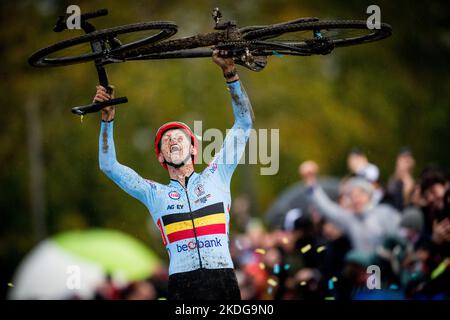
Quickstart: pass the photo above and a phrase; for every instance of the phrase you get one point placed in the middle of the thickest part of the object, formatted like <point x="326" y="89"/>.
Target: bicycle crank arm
<point x="97" y="106"/>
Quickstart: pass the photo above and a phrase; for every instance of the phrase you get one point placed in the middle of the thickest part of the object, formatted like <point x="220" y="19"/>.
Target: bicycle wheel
<point x="317" y="37"/>
<point x="114" y="40"/>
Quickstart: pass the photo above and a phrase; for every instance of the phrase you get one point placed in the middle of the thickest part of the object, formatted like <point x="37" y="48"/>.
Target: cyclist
<point x="192" y="211"/>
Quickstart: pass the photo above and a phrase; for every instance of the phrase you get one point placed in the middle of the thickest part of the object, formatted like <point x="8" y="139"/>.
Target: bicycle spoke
<point x="113" y="41"/>
<point x="136" y="36"/>
<point x="298" y="37"/>
<point x="73" y="51"/>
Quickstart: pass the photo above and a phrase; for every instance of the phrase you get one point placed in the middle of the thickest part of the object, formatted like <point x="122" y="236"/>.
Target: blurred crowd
<point x="372" y="241"/>
<point x="369" y="242"/>
<point x="152" y="288"/>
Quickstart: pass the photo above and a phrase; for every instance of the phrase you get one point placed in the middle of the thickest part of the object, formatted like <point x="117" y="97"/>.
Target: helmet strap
<point x="177" y="166"/>
<point x="173" y="165"/>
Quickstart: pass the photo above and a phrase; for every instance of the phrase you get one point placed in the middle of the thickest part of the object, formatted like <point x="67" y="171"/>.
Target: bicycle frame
<point x="227" y="37"/>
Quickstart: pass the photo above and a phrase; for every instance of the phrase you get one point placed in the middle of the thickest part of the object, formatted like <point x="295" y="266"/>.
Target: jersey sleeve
<point x="126" y="178"/>
<point x="227" y="159"/>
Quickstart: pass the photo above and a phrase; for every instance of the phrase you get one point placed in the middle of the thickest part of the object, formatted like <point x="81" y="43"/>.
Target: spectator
<point x="437" y="262"/>
<point x="411" y="224"/>
<point x="140" y="290"/>
<point x="354" y="275"/>
<point x="360" y="166"/>
<point x="434" y="182"/>
<point x="337" y="246"/>
<point x="160" y="280"/>
<point x="107" y="290"/>
<point x="365" y="223"/>
<point x="401" y="184"/>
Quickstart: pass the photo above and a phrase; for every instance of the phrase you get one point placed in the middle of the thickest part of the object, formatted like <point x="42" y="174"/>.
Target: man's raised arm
<point x="330" y="210"/>
<point x="124" y="177"/>
<point x="234" y="145"/>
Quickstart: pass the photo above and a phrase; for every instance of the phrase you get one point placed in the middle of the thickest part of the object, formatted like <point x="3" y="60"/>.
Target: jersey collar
<point x="174" y="182"/>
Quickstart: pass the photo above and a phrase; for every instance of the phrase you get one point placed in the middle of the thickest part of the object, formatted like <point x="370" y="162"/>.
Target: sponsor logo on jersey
<point x="174" y="195"/>
<point x="172" y="206"/>
<point x="213" y="167"/>
<point x="208" y="220"/>
<point x="199" y="190"/>
<point x="191" y="245"/>
<point x="203" y="199"/>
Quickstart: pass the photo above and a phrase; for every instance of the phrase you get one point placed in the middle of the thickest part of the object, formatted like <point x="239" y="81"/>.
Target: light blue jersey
<point x="193" y="221"/>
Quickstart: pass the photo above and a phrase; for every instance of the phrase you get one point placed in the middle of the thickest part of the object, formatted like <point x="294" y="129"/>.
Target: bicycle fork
<point x="98" y="46"/>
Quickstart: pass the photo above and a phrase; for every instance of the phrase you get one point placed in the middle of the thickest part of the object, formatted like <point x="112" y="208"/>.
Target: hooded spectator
<point x="365" y="223"/>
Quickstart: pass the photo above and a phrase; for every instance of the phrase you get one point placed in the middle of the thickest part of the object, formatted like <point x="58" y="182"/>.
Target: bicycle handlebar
<point x="97" y="106"/>
<point x="61" y="23"/>
<point x="94" y="14"/>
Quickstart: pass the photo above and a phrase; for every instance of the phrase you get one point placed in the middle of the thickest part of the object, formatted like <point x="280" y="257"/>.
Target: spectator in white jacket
<point x="364" y="221"/>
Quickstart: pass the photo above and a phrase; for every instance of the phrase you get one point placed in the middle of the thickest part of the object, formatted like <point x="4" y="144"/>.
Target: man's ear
<point x="161" y="157"/>
<point x="194" y="150"/>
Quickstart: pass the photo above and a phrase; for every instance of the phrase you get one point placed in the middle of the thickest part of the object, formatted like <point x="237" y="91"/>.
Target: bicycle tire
<point x="269" y="35"/>
<point x="295" y="21"/>
<point x="40" y="58"/>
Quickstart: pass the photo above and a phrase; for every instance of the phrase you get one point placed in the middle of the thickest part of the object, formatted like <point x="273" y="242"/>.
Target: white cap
<point x="370" y="172"/>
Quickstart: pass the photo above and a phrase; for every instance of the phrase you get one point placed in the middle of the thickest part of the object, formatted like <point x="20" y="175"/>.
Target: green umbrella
<point x="45" y="271"/>
<point x="114" y="251"/>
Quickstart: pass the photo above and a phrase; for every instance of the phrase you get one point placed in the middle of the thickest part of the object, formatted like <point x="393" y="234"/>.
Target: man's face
<point x="176" y="147"/>
<point x="359" y="199"/>
<point x="434" y="196"/>
<point x="405" y="163"/>
<point x="356" y="162"/>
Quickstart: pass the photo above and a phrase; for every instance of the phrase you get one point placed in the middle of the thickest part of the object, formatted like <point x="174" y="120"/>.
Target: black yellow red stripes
<point x="207" y="220"/>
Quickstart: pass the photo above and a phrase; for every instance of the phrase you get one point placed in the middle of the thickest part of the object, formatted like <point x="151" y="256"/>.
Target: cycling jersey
<point x="193" y="220"/>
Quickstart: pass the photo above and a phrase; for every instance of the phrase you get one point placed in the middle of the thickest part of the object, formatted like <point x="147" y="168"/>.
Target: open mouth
<point x="175" y="148"/>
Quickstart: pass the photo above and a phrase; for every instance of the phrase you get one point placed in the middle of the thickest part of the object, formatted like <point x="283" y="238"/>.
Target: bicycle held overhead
<point x="248" y="46"/>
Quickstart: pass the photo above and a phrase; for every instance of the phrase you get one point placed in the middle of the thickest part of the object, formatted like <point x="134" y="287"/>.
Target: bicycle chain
<point x="237" y="42"/>
<point x="315" y="44"/>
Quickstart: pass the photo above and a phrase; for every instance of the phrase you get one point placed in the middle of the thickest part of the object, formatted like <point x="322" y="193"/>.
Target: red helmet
<point x="169" y="126"/>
